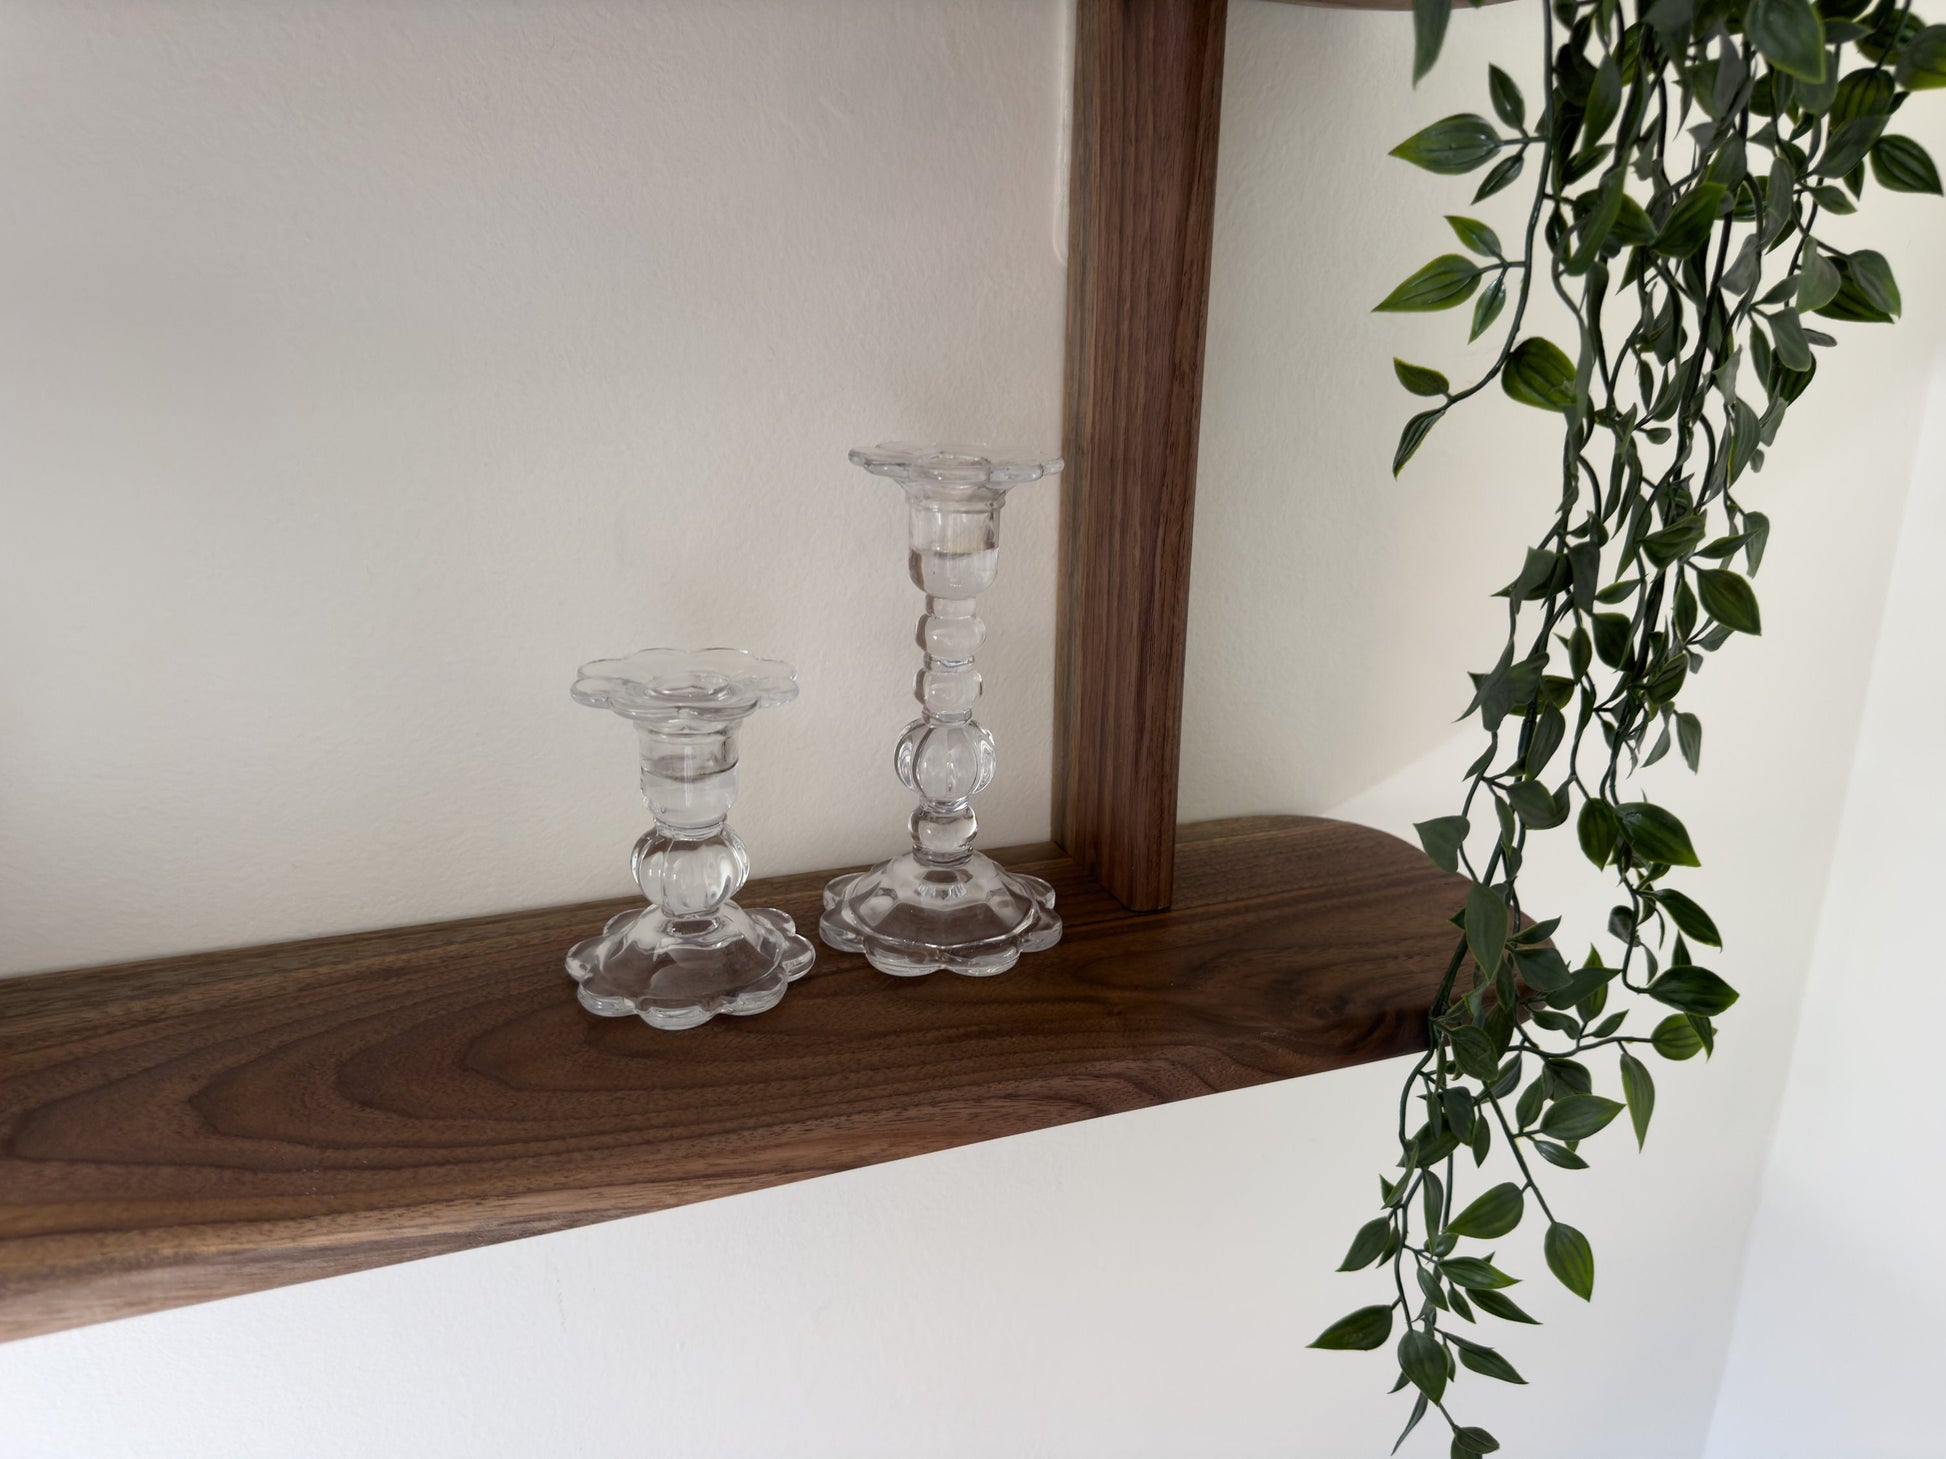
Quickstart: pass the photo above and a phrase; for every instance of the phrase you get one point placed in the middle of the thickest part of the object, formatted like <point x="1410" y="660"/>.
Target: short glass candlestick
<point x="944" y="905"/>
<point x="692" y="953"/>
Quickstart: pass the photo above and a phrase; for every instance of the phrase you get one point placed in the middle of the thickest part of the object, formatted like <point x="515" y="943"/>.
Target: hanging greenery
<point x="1682" y="158"/>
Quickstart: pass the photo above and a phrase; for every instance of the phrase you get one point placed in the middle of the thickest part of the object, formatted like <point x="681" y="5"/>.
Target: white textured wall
<point x="1837" y="1339"/>
<point x="1132" y="1287"/>
<point x="368" y="367"/>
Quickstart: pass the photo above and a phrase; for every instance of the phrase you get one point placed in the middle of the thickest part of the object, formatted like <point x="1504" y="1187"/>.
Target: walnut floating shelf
<point x="183" y="1130"/>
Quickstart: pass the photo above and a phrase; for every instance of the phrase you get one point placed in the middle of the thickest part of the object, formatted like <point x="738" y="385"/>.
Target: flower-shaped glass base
<point x="910" y="917"/>
<point x="677" y="976"/>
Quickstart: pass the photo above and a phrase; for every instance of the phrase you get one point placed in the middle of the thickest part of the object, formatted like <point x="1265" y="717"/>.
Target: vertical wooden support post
<point x="1148" y="84"/>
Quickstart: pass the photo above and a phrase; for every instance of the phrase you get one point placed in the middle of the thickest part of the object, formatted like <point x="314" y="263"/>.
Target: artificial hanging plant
<point x="1676" y="170"/>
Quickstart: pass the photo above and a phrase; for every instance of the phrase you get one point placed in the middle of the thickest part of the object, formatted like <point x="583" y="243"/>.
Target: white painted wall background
<point x="374" y="365"/>
<point x="1837" y="1330"/>
<point x="380" y="359"/>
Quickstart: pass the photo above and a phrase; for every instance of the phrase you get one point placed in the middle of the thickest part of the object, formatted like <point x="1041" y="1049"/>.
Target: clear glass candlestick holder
<point x="692" y="953"/>
<point x="943" y="905"/>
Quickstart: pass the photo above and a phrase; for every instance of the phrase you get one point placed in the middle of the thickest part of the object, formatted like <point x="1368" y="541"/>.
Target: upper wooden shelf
<point x="180" y="1130"/>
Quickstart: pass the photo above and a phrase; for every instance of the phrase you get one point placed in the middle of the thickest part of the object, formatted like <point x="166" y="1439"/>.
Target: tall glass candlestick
<point x="944" y="905"/>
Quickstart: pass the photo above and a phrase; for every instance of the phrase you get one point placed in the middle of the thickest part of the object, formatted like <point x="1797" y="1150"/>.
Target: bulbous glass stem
<point x="946" y="756"/>
<point x="689" y="863"/>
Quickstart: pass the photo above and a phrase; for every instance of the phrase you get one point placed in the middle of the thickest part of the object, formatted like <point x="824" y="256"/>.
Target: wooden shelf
<point x="176" y="1131"/>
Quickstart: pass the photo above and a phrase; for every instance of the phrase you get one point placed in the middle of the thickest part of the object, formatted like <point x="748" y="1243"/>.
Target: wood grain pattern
<point x="176" y="1131"/>
<point x="1148" y="80"/>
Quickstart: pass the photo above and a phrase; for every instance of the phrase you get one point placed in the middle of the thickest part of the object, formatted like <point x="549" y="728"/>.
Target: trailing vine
<point x="1682" y="158"/>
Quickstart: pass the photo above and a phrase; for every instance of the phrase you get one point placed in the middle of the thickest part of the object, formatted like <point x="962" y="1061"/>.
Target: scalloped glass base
<point x="909" y="917"/>
<point x="737" y="961"/>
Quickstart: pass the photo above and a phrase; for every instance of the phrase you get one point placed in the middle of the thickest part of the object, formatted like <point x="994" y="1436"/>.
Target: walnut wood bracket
<point x="1148" y="78"/>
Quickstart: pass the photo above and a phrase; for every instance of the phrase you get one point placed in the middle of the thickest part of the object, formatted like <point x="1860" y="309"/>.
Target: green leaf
<point x="1676" y="1038"/>
<point x="1674" y="541"/>
<point x="1873" y="275"/>
<point x="1429" y="19"/>
<point x="1567" y="1075"/>
<point x="1539" y="374"/>
<point x="1550" y="730"/>
<point x="1475" y="1274"/>
<point x="1613" y="634"/>
<point x="1705" y="1032"/>
<point x="1743" y="275"/>
<point x="1689" y="735"/>
<point x="1418" y="1412"/>
<point x="1500" y="175"/>
<point x="1691" y="918"/>
<point x="1429" y="1284"/>
<point x="1487" y="307"/>
<point x="1653" y="834"/>
<point x="1756" y="531"/>
<point x="1475" y="235"/>
<point x="1501" y="1306"/>
<point x="1423" y="1360"/>
<point x="1493" y="1214"/>
<point x="1473" y="1051"/>
<point x="1451" y="145"/>
<point x="1851" y="303"/>
<point x="1537" y="808"/>
<point x="1571" y="1259"/>
<point x="1858" y="114"/>
<point x="1690" y="222"/>
<point x="1729" y="599"/>
<point x="1486" y="926"/>
<point x="1579" y="1116"/>
<point x="1471" y="1440"/>
<point x="1446" y="281"/>
<point x="1861" y="95"/>
<point x="1416" y="430"/>
<point x="1693" y="990"/>
<point x="1789" y="35"/>
<point x="1419" y="380"/>
<point x="1597" y="830"/>
<point x="1559" y="1155"/>
<point x="1901" y="164"/>
<point x="1793" y="350"/>
<point x="1818" y="282"/>
<point x="1639" y="1090"/>
<point x="1368" y="1245"/>
<point x="1849" y="144"/>
<point x="1633" y="225"/>
<point x="1442" y="839"/>
<point x="1487" y="1361"/>
<point x="1604" y="100"/>
<point x="1363" y="1330"/>
<point x="1834" y="199"/>
<point x="1598" y="223"/>
<point x="1457" y="1104"/>
<point x="1924" y="66"/>
<point x="1508" y="103"/>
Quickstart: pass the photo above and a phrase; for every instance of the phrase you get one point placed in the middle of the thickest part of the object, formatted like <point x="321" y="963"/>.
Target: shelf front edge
<point x="182" y="1130"/>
